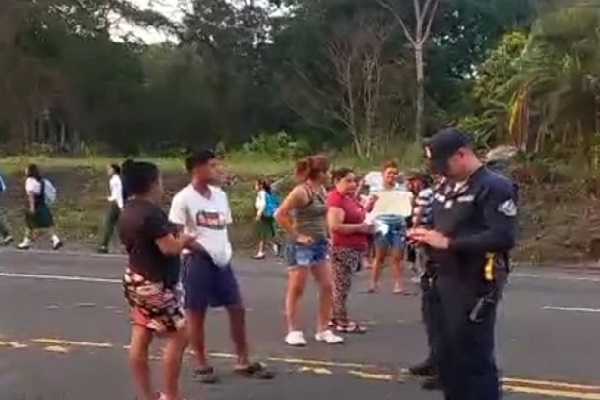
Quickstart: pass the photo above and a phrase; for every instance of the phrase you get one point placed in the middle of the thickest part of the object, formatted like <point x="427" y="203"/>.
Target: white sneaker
<point x="328" y="337"/>
<point x="295" y="338"/>
<point x="56" y="243"/>
<point x="24" y="245"/>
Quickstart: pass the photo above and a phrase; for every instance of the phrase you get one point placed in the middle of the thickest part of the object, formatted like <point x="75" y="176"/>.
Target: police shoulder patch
<point x="508" y="208"/>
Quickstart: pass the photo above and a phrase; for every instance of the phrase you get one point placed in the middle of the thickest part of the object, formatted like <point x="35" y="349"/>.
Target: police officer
<point x="474" y="228"/>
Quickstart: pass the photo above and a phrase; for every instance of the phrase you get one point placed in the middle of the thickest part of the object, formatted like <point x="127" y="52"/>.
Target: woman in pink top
<point x="349" y="234"/>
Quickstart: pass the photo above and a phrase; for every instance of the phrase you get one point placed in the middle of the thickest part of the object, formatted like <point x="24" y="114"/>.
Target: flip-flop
<point x="206" y="375"/>
<point x="254" y="370"/>
<point x="404" y="292"/>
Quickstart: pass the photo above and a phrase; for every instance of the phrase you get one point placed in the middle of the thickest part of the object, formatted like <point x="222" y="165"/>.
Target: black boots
<point x="424" y="369"/>
<point x="428" y="371"/>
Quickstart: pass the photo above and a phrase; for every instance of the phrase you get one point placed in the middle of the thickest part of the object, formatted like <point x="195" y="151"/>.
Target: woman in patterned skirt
<point x="349" y="244"/>
<point x="151" y="281"/>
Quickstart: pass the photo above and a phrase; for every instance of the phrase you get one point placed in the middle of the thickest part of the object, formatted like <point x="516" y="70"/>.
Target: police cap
<point x="443" y="145"/>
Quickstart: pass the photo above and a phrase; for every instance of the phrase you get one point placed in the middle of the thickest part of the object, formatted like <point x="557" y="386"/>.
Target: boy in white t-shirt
<point x="202" y="210"/>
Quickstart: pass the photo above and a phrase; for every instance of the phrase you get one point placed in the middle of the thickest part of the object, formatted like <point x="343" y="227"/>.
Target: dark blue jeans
<point x="430" y="309"/>
<point x="208" y="285"/>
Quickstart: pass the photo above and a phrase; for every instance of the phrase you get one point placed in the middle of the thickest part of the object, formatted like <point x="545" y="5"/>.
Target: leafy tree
<point x="555" y="93"/>
<point x="489" y="121"/>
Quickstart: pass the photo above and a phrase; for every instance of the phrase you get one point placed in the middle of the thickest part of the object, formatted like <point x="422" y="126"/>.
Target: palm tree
<point x="555" y="95"/>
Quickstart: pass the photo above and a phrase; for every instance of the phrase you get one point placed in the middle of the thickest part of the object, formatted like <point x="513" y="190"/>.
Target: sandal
<point x="206" y="375"/>
<point x="351" y="327"/>
<point x="162" y="396"/>
<point x="254" y="370"/>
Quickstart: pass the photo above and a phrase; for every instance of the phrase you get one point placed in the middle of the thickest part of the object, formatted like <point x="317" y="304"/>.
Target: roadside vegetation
<point x="361" y="81"/>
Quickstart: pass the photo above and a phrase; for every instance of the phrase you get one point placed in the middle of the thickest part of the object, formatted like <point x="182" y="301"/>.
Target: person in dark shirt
<point x="151" y="281"/>
<point x="126" y="164"/>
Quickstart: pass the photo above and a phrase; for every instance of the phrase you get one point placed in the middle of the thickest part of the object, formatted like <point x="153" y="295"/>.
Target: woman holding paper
<point x="389" y="218"/>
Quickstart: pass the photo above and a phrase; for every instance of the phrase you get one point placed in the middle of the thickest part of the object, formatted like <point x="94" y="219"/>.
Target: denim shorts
<point x="208" y="285"/>
<point x="306" y="255"/>
<point x="395" y="238"/>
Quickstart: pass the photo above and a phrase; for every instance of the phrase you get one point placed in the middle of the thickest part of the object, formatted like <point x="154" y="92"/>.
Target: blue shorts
<point x="395" y="238"/>
<point x="207" y="285"/>
<point x="306" y="255"/>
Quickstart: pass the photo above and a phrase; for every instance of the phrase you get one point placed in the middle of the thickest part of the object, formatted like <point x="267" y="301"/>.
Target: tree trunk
<point x="420" y="106"/>
<point x="63" y="134"/>
<point x="358" y="147"/>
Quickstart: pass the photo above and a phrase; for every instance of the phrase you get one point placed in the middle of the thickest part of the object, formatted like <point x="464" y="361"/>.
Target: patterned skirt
<point x="152" y="304"/>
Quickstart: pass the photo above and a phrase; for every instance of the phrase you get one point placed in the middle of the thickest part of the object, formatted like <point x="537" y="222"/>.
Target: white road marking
<point x="61" y="277"/>
<point x="69" y="253"/>
<point x="574" y="309"/>
<point x="558" y="277"/>
<point x="575" y="277"/>
<point x="95" y="279"/>
<point x="113" y="280"/>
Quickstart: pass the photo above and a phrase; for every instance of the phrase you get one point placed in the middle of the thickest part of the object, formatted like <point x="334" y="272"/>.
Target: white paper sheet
<point x="392" y="202"/>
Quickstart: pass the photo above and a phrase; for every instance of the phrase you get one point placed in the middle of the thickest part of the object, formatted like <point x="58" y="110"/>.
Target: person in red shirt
<point x="349" y="243"/>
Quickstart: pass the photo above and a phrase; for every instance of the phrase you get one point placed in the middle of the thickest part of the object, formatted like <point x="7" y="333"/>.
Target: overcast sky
<point x="169" y="8"/>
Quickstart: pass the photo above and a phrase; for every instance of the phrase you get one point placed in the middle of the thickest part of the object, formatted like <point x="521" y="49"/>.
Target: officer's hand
<point x="428" y="236"/>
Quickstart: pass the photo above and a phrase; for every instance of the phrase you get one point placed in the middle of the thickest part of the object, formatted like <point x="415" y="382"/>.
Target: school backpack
<point x="271" y="204"/>
<point x="2" y="185"/>
<point x="49" y="192"/>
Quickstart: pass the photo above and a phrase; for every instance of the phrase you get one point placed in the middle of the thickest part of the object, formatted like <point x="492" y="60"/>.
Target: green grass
<point x="552" y="214"/>
<point x="246" y="165"/>
<point x="82" y="190"/>
<point x="11" y="165"/>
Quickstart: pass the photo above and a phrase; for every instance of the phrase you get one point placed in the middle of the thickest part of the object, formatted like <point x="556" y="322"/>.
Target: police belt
<point x="482" y="273"/>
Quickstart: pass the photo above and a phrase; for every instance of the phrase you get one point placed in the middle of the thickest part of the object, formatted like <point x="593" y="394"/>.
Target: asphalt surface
<point x="63" y="328"/>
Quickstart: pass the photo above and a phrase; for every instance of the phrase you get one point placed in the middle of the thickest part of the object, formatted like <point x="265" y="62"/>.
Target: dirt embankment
<point x="559" y="217"/>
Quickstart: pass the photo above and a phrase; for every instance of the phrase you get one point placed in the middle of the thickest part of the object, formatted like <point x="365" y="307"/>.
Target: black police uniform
<point x="479" y="218"/>
<point x="429" y="310"/>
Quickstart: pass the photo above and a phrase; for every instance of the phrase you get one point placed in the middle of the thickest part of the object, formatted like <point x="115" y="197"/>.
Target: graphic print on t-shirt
<point x="210" y="219"/>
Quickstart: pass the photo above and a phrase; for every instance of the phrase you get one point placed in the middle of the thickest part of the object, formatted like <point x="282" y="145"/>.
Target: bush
<point x="278" y="147"/>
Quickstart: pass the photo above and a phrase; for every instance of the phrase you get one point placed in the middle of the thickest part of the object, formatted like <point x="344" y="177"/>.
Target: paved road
<point x="63" y="327"/>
